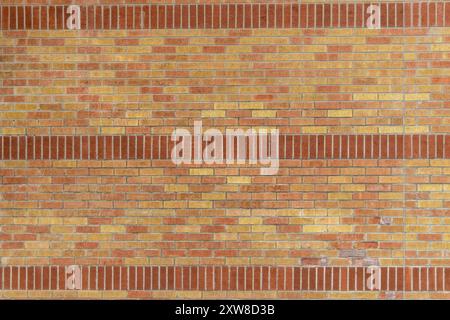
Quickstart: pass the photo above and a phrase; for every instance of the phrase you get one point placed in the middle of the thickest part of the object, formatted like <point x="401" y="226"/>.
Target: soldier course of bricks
<point x="93" y="204"/>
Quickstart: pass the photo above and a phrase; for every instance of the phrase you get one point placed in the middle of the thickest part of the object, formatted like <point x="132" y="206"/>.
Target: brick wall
<point x="87" y="180"/>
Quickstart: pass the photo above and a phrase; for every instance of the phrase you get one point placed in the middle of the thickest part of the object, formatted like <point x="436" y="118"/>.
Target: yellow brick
<point x="340" y="113"/>
<point x="366" y="130"/>
<point x="251" y="105"/>
<point x="340" y="229"/>
<point x="264" y="114"/>
<point x="416" y="129"/>
<point x="238" y="228"/>
<point x="313" y="130"/>
<point x="225" y="105"/>
<point x="250" y="221"/>
<point x="340" y="196"/>
<point x="13" y="115"/>
<point x="224" y="236"/>
<point x="201" y="172"/>
<point x="391" y="179"/>
<point x="353" y="188"/>
<point x="430" y="187"/>
<point x="430" y="204"/>
<point x="200" y="204"/>
<point x="410" y="56"/>
<point x="390" y="129"/>
<point x="187" y="229"/>
<point x="390" y="96"/>
<point x="176" y="188"/>
<point x="65" y="164"/>
<point x="22" y="221"/>
<point x="365" y="96"/>
<point x="99" y="237"/>
<point x="258" y="228"/>
<point x="213" y="196"/>
<point x="337" y="179"/>
<point x="239" y="179"/>
<point x="100" y="90"/>
<point x="50" y="220"/>
<point x="138" y="114"/>
<point x="112" y="229"/>
<point x="174" y="204"/>
<point x="13" y="131"/>
<point x="440" y="163"/>
<point x="213" y="114"/>
<point x="390" y="195"/>
<point x="417" y="96"/>
<point x="440" y="47"/>
<point x="113" y="131"/>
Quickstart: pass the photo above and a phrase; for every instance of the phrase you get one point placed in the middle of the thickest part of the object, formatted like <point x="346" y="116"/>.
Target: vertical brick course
<point x="228" y="15"/>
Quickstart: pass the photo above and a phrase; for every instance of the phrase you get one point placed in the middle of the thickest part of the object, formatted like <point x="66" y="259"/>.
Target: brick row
<point x="159" y="147"/>
<point x="364" y="146"/>
<point x="227" y="16"/>
<point x="224" y="278"/>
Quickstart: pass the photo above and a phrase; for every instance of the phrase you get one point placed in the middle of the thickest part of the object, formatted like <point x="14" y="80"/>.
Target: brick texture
<point x="87" y="180"/>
